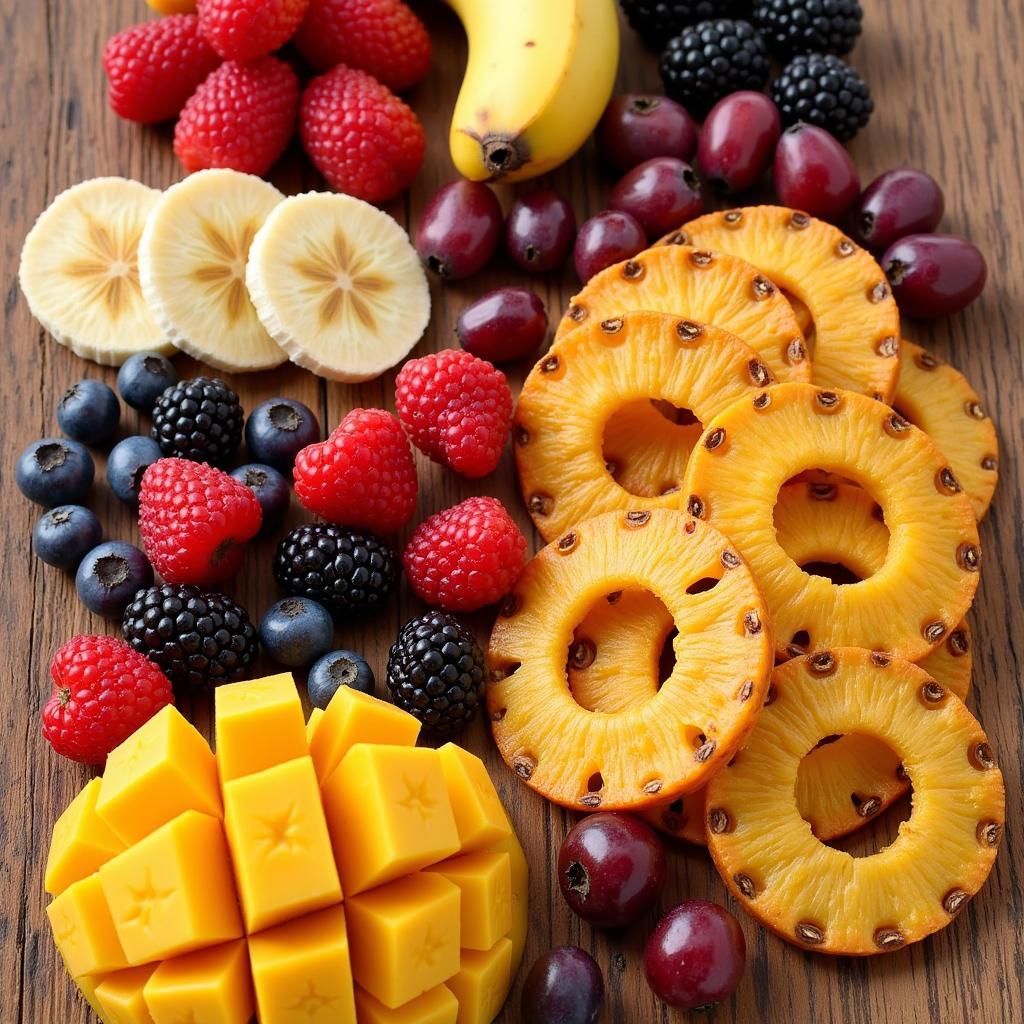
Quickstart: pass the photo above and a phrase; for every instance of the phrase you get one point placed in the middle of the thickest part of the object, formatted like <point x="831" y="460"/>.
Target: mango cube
<point x="162" y="770"/>
<point x="353" y="717"/>
<point x="388" y="814"/>
<point x="172" y="892"/>
<point x="485" y="882"/>
<point x="214" y="986"/>
<point x="479" y="813"/>
<point x="120" y="996"/>
<point x="258" y="724"/>
<point x="405" y="937"/>
<point x="84" y="929"/>
<point x="301" y="971"/>
<point x="80" y="843"/>
<point x="482" y="983"/>
<point x="438" y="1006"/>
<point x="520" y="895"/>
<point x="279" y="844"/>
<point x="312" y="722"/>
<point x="87" y="987"/>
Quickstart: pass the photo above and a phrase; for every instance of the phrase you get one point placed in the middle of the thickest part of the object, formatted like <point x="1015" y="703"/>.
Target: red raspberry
<point x="363" y="139"/>
<point x="465" y="557"/>
<point x="103" y="690"/>
<point x="153" y="68"/>
<point x="363" y="475"/>
<point x="243" y="30"/>
<point x="383" y="37"/>
<point x="241" y="117"/>
<point x="194" y="521"/>
<point x="457" y="409"/>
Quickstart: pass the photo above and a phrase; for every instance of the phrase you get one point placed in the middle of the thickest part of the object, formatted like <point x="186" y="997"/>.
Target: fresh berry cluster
<point x="237" y="106"/>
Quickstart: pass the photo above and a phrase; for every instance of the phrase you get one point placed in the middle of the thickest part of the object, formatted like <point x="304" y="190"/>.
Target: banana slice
<point x="192" y="265"/>
<point x="338" y="285"/>
<point x="80" y="274"/>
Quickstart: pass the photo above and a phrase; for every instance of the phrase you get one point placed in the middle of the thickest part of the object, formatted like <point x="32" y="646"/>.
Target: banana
<point x="79" y="271"/>
<point x="192" y="260"/>
<point x="338" y="285"/>
<point x="539" y="75"/>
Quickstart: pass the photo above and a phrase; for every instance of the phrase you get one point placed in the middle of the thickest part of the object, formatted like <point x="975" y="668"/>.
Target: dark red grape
<point x="814" y="173"/>
<point x="611" y="869"/>
<point x="737" y="141"/>
<point x="503" y="325"/>
<point x="539" y="230"/>
<point x="637" y="127"/>
<point x="564" y="986"/>
<point x="609" y="237"/>
<point x="934" y="275"/>
<point x="902" y="202"/>
<point x="460" y="229"/>
<point x="695" y="956"/>
<point x="661" y="193"/>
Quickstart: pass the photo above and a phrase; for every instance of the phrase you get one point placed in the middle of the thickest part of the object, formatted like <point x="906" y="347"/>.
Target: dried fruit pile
<point x="757" y="471"/>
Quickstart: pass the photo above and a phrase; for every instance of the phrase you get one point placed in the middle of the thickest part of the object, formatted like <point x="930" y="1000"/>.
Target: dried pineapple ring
<point x="937" y="398"/>
<point x="664" y="746"/>
<point x="712" y="288"/>
<point x="594" y="371"/>
<point x="856" y="322"/>
<point x="824" y="899"/>
<point x="931" y="570"/>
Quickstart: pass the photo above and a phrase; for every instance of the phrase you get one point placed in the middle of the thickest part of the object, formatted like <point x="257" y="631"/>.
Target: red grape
<point x="814" y="173"/>
<point x="539" y="230"/>
<point x="897" y="203"/>
<point x="934" y="275"/>
<point x="460" y="229"/>
<point x="637" y="127"/>
<point x="564" y="986"/>
<point x="503" y="325"/>
<point x="661" y="193"/>
<point x="609" y="237"/>
<point x="737" y="140"/>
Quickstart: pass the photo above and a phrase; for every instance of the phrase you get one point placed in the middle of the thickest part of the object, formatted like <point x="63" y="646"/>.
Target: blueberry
<point x="337" y="669"/>
<point x="278" y="430"/>
<point x="109" y="577"/>
<point x="271" y="490"/>
<point x="127" y="462"/>
<point x="143" y="379"/>
<point x="297" y="631"/>
<point x="65" y="535"/>
<point x="89" y="412"/>
<point x="55" y="471"/>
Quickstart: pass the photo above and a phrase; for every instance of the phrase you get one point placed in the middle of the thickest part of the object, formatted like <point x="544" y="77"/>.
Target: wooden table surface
<point x="948" y="80"/>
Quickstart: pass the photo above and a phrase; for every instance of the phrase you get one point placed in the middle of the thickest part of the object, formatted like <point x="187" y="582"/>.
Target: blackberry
<point x="199" y="419"/>
<point x="711" y="59"/>
<point x="808" y="26"/>
<point x="658" y="20"/>
<point x="821" y="89"/>
<point x="436" y="672"/>
<point x="348" y="572"/>
<point x="197" y="638"/>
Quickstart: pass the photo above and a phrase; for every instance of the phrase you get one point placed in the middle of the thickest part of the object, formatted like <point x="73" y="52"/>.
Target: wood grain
<point x="947" y="76"/>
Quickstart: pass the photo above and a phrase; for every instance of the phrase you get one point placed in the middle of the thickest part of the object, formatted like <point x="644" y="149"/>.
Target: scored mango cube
<point x="479" y="814"/>
<point x="258" y="724"/>
<point x="301" y="971"/>
<point x="87" y="987"/>
<point x="438" y="1006"/>
<point x="162" y="770"/>
<point x="485" y="883"/>
<point x="173" y="891"/>
<point x="279" y="844"/>
<point x="213" y="985"/>
<point x="388" y="814"/>
<point x="353" y="717"/>
<point x="482" y="983"/>
<point x="80" y="843"/>
<point x="405" y="937"/>
<point x="84" y="931"/>
<point x="311" y="724"/>
<point x="120" y="996"/>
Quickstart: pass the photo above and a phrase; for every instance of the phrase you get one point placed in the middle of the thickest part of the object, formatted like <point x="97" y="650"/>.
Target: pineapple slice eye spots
<point x="889" y="938"/>
<point x="633" y="270"/>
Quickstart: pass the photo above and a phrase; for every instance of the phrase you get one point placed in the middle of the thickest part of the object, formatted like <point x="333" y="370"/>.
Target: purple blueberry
<point x="271" y="490"/>
<point x="143" y="379"/>
<point x="55" y="471"/>
<point x="65" y="535"/>
<point x="278" y="430"/>
<point x="334" y="670"/>
<point x="89" y="412"/>
<point x="109" y="577"/>
<point x="297" y="631"/>
<point x="127" y="462"/>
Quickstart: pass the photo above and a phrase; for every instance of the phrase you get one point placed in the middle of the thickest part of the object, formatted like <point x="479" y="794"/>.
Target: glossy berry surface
<point x="901" y="202"/>
<point x="608" y="237"/>
<point x="460" y="229"/>
<point x="695" y="956"/>
<point x="814" y="173"/>
<point x="611" y="869"/>
<point x="335" y="670"/>
<point x="277" y="430"/>
<point x="802" y="26"/>
<point x="54" y="471"/>
<point x="661" y="194"/>
<point x="296" y="631"/>
<point x="503" y="325"/>
<point x="737" y="141"/>
<point x="539" y="230"/>
<point x="271" y="490"/>
<point x="143" y="378"/>
<point x="823" y="90"/>
<point x="564" y="986"/>
<point x="128" y="461"/>
<point x="934" y="275"/>
<point x="65" y="535"/>
<point x="109" y="577"/>
<point x="89" y="412"/>
<point x="639" y="126"/>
